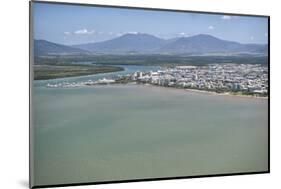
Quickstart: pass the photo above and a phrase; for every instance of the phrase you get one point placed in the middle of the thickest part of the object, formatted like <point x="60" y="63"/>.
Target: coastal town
<point x="247" y="79"/>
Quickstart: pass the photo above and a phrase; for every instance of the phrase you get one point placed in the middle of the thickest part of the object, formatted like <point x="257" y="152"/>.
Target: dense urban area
<point x="245" y="79"/>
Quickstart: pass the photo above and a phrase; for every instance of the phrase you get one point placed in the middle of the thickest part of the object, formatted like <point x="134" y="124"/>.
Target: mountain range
<point x="148" y="44"/>
<point x="44" y="48"/>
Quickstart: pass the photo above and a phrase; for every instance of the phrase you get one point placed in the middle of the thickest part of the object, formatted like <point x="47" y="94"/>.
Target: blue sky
<point x="73" y="24"/>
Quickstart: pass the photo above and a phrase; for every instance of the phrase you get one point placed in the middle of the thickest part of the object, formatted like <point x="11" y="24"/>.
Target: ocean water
<point x="121" y="132"/>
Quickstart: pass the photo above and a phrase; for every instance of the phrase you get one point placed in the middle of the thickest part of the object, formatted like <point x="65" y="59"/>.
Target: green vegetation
<point x="49" y="67"/>
<point x="58" y="71"/>
<point x="152" y="60"/>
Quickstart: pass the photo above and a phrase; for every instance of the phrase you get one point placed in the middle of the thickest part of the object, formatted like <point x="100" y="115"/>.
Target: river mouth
<point x="128" y="69"/>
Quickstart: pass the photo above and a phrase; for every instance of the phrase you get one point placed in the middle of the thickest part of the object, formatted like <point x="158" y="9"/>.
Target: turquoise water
<point x="120" y="132"/>
<point x="128" y="69"/>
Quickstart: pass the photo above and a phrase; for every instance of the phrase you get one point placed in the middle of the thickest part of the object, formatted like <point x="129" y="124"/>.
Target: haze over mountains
<point x="142" y="43"/>
<point x="44" y="48"/>
<point x="148" y="44"/>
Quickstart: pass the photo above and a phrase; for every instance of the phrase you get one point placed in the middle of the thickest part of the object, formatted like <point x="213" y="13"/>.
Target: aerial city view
<point x="241" y="79"/>
<point x="123" y="94"/>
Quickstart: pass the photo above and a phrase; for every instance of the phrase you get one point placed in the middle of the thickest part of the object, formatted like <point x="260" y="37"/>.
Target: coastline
<point x="125" y="81"/>
<point x="174" y="88"/>
<point x="226" y="94"/>
<point x="200" y="91"/>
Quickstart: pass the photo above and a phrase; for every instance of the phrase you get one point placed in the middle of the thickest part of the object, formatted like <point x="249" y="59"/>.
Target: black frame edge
<point x="146" y="8"/>
<point x="148" y="179"/>
<point x="29" y="90"/>
<point x="268" y="64"/>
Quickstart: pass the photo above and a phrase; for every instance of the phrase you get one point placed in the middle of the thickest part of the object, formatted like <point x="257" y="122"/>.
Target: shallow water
<point x="128" y="69"/>
<point x="120" y="132"/>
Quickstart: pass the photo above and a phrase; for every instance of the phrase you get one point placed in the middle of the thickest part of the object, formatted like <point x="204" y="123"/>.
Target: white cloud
<point x="84" y="31"/>
<point x="132" y="32"/>
<point x="226" y="17"/>
<point x="252" y="38"/>
<point x="183" y="34"/>
<point x="211" y="27"/>
<point x="67" y="33"/>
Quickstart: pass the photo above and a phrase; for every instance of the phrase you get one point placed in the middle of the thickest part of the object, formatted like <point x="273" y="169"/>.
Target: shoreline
<point x="198" y="91"/>
<point x="226" y="94"/>
<point x="175" y="88"/>
<point x="79" y="72"/>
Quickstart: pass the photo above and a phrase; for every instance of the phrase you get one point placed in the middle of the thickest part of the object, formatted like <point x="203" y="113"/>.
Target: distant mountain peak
<point x="149" y="44"/>
<point x="129" y="42"/>
<point x="205" y="43"/>
<point x="138" y="34"/>
<point x="204" y="35"/>
<point x="43" y="48"/>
